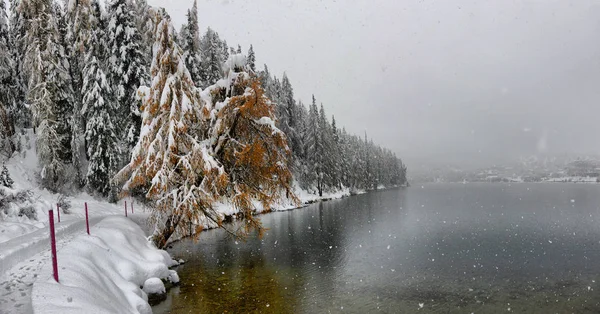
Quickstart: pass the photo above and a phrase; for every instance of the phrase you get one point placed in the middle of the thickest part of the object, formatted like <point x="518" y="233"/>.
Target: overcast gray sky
<point x="465" y="82"/>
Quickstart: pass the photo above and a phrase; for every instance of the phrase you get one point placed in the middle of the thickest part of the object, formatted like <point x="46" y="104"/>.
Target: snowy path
<point x="21" y="248"/>
<point x="22" y="258"/>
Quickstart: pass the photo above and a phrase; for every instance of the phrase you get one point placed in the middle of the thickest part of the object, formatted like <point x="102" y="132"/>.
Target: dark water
<point x="440" y="248"/>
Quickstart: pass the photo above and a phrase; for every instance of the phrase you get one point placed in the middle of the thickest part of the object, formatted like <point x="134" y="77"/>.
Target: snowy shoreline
<point x="306" y="199"/>
<point x="111" y="271"/>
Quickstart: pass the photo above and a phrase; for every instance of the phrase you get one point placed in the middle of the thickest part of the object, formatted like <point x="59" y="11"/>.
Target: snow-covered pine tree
<point x="76" y="24"/>
<point x="8" y="99"/>
<point x="368" y="171"/>
<point x="18" y="28"/>
<point x="127" y="68"/>
<point x="212" y="58"/>
<point x="265" y="78"/>
<point x="50" y="91"/>
<point x="145" y="14"/>
<point x="100" y="113"/>
<point x="224" y="49"/>
<point x="345" y="154"/>
<point x="12" y="89"/>
<point x="251" y="59"/>
<point x="286" y="98"/>
<point x="335" y="157"/>
<point x="328" y="148"/>
<point x="190" y="43"/>
<point x="314" y="147"/>
<point x="80" y="25"/>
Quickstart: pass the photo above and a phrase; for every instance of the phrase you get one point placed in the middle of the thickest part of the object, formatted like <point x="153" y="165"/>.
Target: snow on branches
<point x="192" y="154"/>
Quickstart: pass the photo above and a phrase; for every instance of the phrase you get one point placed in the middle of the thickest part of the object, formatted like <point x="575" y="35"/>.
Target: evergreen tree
<point x="100" y="112"/>
<point x="190" y="42"/>
<point x="289" y="117"/>
<point x="127" y="68"/>
<point x="212" y="58"/>
<point x="76" y="26"/>
<point x="50" y="91"/>
<point x="265" y="79"/>
<point x="8" y="97"/>
<point x="345" y="154"/>
<point x="80" y="27"/>
<point x="334" y="155"/>
<point x="314" y="147"/>
<point x="225" y="50"/>
<point x="327" y="152"/>
<point x="144" y="21"/>
<point x="252" y="59"/>
<point x="14" y="94"/>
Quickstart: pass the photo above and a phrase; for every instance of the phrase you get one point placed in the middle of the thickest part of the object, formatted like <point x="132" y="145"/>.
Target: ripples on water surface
<point x="440" y="248"/>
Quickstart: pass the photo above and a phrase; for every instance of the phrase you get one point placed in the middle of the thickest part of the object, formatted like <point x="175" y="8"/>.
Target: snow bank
<point x="103" y="273"/>
<point x="308" y="197"/>
<point x="225" y="208"/>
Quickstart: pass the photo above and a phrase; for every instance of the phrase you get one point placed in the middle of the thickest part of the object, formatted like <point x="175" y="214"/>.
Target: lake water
<point x="438" y="248"/>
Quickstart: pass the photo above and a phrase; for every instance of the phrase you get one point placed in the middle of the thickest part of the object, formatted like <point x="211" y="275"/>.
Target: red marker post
<point x="87" y="220"/>
<point x="53" y="245"/>
<point x="125" y="208"/>
<point x="132" y="207"/>
<point x="58" y="212"/>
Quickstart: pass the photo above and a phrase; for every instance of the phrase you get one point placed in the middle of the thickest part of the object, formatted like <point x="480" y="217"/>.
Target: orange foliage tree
<point x="196" y="149"/>
<point x="244" y="138"/>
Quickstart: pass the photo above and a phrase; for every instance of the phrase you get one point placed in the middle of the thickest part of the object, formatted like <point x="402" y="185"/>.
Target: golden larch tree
<point x="199" y="148"/>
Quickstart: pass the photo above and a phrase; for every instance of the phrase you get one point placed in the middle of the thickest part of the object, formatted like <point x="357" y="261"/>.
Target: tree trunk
<point x="170" y="226"/>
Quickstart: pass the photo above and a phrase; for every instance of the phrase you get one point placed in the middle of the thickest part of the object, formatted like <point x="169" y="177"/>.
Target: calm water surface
<point x="439" y="248"/>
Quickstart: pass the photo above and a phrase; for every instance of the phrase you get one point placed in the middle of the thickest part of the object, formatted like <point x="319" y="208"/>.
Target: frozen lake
<point x="437" y="248"/>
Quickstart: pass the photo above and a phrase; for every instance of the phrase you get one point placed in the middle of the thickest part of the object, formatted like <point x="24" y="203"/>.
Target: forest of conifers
<point x="123" y="104"/>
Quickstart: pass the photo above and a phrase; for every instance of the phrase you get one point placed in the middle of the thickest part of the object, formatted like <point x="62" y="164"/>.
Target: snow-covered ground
<point x="103" y="272"/>
<point x="24" y="242"/>
<point x="23" y="168"/>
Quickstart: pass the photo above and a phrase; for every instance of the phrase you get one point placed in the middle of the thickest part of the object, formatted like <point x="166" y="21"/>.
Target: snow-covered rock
<point x="154" y="286"/>
<point x="173" y="277"/>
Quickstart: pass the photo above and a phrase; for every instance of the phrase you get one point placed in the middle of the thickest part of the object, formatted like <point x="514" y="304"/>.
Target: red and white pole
<point x="125" y="208"/>
<point x="58" y="212"/>
<point x="53" y="245"/>
<point x="87" y="220"/>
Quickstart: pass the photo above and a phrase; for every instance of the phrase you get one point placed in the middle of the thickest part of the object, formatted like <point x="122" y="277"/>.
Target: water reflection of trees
<point x="298" y="266"/>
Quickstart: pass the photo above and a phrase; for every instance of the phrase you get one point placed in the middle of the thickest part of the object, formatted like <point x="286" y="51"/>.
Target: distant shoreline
<point x="515" y="182"/>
